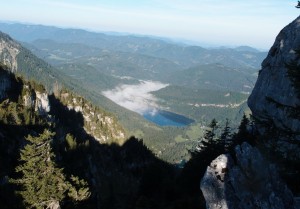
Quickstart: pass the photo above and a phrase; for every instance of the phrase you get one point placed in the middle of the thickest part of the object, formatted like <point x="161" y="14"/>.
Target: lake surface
<point x="166" y="118"/>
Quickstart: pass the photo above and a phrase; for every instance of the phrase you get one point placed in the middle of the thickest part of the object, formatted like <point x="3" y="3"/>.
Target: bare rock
<point x="274" y="99"/>
<point x="54" y="205"/>
<point x="249" y="183"/>
<point x="42" y="105"/>
<point x="213" y="185"/>
<point x="9" y="50"/>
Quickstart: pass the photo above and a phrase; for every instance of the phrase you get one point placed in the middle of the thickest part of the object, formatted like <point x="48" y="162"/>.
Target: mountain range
<point x="90" y="63"/>
<point x="74" y="131"/>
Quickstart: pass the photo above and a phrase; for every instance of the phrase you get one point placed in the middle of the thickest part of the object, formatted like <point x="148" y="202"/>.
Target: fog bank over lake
<point x="137" y="98"/>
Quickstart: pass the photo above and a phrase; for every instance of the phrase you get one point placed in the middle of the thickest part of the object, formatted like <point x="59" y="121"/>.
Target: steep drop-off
<point x="86" y="142"/>
<point x="265" y="176"/>
<point x="100" y="124"/>
<point x="275" y="100"/>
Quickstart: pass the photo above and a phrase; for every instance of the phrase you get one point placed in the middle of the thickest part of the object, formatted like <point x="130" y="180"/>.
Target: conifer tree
<point x="226" y="136"/>
<point x="242" y="130"/>
<point x="243" y="133"/>
<point x="207" y="150"/>
<point x="210" y="134"/>
<point x="210" y="141"/>
<point x="71" y="142"/>
<point x="43" y="183"/>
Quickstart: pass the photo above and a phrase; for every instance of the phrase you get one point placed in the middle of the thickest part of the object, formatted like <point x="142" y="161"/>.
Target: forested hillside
<point x="113" y="120"/>
<point x="89" y="75"/>
<point x="74" y="166"/>
<point x="51" y="156"/>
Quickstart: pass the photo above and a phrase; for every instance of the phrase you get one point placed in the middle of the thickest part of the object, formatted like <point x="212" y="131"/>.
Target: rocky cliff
<point x="36" y="99"/>
<point x="274" y="98"/>
<point x="84" y="143"/>
<point x="249" y="182"/>
<point x="39" y="79"/>
<point x="9" y="50"/>
<point x="248" y="178"/>
<point x="101" y="125"/>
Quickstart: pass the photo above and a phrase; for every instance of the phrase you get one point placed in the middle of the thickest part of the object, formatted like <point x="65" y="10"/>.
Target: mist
<point x="137" y="98"/>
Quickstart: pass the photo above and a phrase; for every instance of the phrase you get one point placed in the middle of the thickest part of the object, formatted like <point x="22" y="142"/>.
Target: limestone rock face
<point x="42" y="105"/>
<point x="29" y="100"/>
<point x="248" y="183"/>
<point x="39" y="101"/>
<point x="102" y="126"/>
<point x="274" y="96"/>
<point x="9" y="50"/>
<point x="212" y="184"/>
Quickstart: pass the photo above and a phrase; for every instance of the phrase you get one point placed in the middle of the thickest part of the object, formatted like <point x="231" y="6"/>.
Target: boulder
<point x="248" y="182"/>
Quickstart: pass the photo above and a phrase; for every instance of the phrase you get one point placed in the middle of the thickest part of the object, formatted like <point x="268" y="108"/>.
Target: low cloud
<point x="137" y="98"/>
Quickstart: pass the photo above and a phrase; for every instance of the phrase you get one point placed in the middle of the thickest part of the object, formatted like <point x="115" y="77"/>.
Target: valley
<point x="138" y="125"/>
<point x="149" y="105"/>
<point x="159" y="91"/>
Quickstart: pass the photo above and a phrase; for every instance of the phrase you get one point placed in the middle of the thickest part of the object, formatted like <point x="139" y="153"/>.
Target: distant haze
<point x="137" y="98"/>
<point x="231" y="23"/>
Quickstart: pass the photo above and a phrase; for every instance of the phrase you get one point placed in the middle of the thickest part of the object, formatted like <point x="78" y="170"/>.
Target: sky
<point x="208" y="22"/>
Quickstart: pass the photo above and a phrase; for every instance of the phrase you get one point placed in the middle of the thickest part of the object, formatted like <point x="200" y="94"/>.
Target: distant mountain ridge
<point x="246" y="49"/>
<point x="98" y="113"/>
<point x="187" y="56"/>
<point x="147" y="67"/>
<point x="88" y="68"/>
<point x="216" y="76"/>
<point x="105" y="61"/>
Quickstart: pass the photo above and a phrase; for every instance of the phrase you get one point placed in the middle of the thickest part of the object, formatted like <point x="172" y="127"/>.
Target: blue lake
<point x="166" y="118"/>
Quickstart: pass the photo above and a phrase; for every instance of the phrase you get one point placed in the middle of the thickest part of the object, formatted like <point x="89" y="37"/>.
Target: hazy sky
<point x="227" y="22"/>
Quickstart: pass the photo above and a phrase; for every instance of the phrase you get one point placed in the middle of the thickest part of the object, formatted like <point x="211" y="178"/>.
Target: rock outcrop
<point x="9" y="50"/>
<point x="249" y="183"/>
<point x="274" y="97"/>
<point x="247" y="180"/>
<point x="42" y="105"/>
<point x="101" y="125"/>
<point x="37" y="100"/>
<point x="14" y="58"/>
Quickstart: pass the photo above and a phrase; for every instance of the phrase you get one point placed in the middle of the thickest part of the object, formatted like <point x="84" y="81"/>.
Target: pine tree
<point x="207" y="150"/>
<point x="209" y="141"/>
<point x="226" y="136"/>
<point x="243" y="128"/>
<point x="243" y="133"/>
<point x="78" y="189"/>
<point x="43" y="183"/>
<point x="71" y="142"/>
